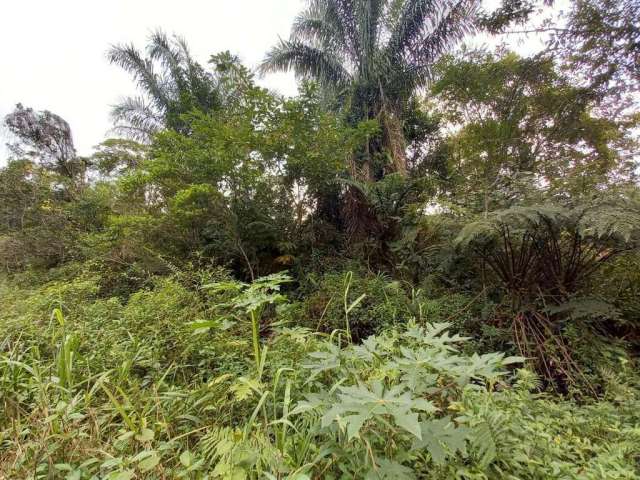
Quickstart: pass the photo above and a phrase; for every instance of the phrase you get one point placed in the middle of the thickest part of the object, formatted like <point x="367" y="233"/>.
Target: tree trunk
<point x="356" y="213"/>
<point x="394" y="141"/>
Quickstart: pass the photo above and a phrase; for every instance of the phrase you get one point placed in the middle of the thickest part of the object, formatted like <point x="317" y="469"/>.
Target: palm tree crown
<point x="171" y="81"/>
<point x="373" y="54"/>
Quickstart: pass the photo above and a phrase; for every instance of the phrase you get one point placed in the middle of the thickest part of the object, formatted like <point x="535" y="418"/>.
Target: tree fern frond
<point x="616" y="221"/>
<point x="531" y="218"/>
<point x="551" y="249"/>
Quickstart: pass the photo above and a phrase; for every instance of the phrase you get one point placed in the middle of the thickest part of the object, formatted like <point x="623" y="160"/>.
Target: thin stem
<point x="256" y="337"/>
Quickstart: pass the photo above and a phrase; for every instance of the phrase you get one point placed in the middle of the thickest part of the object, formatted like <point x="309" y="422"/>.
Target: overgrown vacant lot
<point x="173" y="383"/>
<point x="424" y="265"/>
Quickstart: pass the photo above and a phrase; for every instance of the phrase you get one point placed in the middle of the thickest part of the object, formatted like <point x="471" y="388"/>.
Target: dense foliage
<point x="424" y="265"/>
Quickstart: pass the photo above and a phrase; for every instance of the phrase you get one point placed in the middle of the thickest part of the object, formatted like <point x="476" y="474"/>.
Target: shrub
<point x="366" y="302"/>
<point x="619" y="283"/>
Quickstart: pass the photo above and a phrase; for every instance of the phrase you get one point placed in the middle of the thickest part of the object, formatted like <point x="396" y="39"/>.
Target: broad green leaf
<point x="442" y="439"/>
<point x="145" y="435"/>
<point x="149" y="462"/>
<point x="354" y="424"/>
<point x="390" y="470"/>
<point x="408" y="421"/>
<point x="186" y="458"/>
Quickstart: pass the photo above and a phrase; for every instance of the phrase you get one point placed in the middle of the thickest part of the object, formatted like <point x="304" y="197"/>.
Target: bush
<point x="619" y="284"/>
<point x="368" y="303"/>
<point x="535" y="436"/>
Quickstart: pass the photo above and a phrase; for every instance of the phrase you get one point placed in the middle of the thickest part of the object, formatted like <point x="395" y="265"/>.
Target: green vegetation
<point x="425" y="265"/>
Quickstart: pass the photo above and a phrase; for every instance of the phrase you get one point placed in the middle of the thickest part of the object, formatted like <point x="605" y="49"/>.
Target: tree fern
<point x="542" y="256"/>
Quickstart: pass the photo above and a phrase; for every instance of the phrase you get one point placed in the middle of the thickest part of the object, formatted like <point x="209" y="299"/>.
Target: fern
<point x="543" y="256"/>
<point x="233" y="456"/>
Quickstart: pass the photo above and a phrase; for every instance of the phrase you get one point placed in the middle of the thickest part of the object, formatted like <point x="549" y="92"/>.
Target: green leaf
<point x="513" y="359"/>
<point x="112" y="462"/>
<point x="145" y="435"/>
<point x="202" y="326"/>
<point x="75" y="475"/>
<point x="408" y="421"/>
<point x="441" y="439"/>
<point x="186" y="458"/>
<point x="390" y="470"/>
<point x="124" y="475"/>
<point x="149" y="462"/>
<point x="354" y="424"/>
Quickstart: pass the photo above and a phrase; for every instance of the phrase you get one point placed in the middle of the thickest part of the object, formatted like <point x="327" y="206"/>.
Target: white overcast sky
<point x="52" y="52"/>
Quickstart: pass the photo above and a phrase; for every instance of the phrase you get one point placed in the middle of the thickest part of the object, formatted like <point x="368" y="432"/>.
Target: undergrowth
<point x="227" y="380"/>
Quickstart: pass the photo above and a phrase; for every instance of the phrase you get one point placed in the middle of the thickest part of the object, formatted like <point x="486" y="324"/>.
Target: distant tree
<point x="35" y="228"/>
<point x="601" y="42"/>
<point x="244" y="185"/>
<point x="171" y="81"/>
<point x="373" y="55"/>
<point x="508" y="13"/>
<point x="44" y="137"/>
<point x="520" y="125"/>
<point x="598" y="40"/>
<point x="115" y="156"/>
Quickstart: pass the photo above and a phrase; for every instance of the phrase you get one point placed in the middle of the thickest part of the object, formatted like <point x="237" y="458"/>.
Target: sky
<point x="53" y="52"/>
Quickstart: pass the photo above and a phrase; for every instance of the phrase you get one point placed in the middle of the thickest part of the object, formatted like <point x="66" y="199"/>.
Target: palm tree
<point x="373" y="55"/>
<point x="171" y="81"/>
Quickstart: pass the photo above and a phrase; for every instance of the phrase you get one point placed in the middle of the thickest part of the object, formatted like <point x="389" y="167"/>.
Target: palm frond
<point x="130" y="59"/>
<point x="170" y="55"/>
<point x="427" y="27"/>
<point x="411" y="22"/>
<point x="369" y="15"/>
<point x="315" y="26"/>
<point x="177" y="86"/>
<point x="167" y="51"/>
<point x="307" y="62"/>
<point x="135" y="118"/>
<point x="201" y="84"/>
<point x="192" y="69"/>
<point x="457" y="23"/>
<point x="343" y="13"/>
